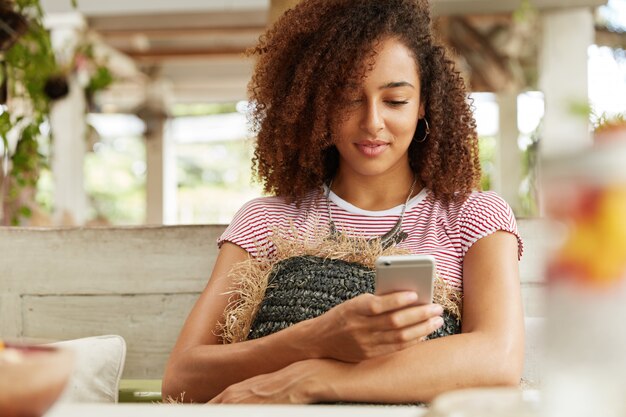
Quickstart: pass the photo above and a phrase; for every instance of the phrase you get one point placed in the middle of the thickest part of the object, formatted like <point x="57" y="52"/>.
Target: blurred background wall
<point x="153" y="128"/>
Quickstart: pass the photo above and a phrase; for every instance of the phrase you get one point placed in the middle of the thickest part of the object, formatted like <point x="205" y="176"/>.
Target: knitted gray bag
<point x="304" y="287"/>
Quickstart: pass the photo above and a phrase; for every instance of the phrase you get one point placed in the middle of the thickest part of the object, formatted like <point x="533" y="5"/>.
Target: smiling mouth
<point x="372" y="149"/>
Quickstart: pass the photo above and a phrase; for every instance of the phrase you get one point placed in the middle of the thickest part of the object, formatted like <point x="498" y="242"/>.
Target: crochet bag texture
<point x="304" y="287"/>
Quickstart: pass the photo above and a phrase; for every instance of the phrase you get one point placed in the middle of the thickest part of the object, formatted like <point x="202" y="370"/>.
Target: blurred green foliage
<point x="202" y="109"/>
<point x="487" y="153"/>
<point x="214" y="172"/>
<point x="115" y="180"/>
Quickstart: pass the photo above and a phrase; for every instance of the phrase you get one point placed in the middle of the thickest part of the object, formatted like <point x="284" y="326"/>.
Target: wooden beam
<point x="463" y="7"/>
<point x="183" y="32"/>
<point x="606" y="37"/>
<point x="180" y="53"/>
<point x="192" y="21"/>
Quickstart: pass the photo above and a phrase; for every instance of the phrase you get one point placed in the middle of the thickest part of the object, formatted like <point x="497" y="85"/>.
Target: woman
<point x="369" y="146"/>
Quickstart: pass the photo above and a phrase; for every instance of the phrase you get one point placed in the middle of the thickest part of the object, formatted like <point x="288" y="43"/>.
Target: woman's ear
<point x="422" y="110"/>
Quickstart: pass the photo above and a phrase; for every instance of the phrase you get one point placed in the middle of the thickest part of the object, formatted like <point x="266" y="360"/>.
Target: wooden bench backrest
<point x="138" y="282"/>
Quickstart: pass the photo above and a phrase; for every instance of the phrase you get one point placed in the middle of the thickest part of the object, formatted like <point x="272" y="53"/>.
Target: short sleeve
<point x="249" y="228"/>
<point x="483" y="214"/>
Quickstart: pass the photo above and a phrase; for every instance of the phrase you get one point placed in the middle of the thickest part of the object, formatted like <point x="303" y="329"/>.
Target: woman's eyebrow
<point x="395" y="84"/>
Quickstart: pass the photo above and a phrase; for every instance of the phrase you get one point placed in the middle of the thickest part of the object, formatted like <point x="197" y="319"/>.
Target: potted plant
<point x="609" y="128"/>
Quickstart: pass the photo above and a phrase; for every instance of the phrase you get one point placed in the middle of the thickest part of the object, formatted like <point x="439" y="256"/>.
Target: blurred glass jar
<point x="585" y="360"/>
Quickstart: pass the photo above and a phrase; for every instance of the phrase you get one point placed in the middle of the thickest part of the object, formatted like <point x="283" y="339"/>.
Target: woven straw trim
<point x="250" y="277"/>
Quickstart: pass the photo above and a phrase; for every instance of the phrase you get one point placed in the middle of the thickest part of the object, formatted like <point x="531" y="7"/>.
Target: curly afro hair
<point x="306" y="60"/>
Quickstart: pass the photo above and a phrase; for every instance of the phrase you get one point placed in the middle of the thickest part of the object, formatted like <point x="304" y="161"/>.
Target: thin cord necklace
<point x="394" y="236"/>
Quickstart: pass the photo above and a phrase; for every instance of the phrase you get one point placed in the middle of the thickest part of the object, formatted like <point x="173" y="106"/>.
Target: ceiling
<point x="195" y="47"/>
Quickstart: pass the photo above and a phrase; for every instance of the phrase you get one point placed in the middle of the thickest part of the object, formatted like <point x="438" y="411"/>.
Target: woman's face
<point x="381" y="116"/>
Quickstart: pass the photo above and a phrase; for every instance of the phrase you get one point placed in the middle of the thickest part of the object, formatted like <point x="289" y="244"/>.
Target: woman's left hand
<point x="297" y="383"/>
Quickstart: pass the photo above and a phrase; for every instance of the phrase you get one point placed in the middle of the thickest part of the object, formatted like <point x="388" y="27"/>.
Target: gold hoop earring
<point x="426" y="132"/>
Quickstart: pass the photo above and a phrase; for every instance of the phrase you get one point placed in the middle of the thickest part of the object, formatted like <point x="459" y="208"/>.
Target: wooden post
<point x="160" y="158"/>
<point x="67" y="123"/>
<point x="155" y="168"/>
<point x="508" y="155"/>
<point x="567" y="34"/>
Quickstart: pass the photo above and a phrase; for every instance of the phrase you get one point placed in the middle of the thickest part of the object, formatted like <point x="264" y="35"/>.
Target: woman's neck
<point x="375" y="193"/>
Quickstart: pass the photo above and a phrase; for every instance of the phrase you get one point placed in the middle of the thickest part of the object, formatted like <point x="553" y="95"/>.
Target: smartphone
<point x="406" y="273"/>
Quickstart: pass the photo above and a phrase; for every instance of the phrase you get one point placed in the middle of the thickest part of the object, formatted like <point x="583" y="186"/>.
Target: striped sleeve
<point x="483" y="214"/>
<point x="249" y="228"/>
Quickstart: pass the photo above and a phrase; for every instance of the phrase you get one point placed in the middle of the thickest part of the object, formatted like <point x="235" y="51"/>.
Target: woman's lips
<point x="372" y="149"/>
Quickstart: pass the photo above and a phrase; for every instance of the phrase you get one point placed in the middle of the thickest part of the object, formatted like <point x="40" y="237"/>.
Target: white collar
<point x="394" y="211"/>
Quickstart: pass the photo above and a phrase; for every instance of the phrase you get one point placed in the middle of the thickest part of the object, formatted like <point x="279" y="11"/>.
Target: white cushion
<point x="98" y="366"/>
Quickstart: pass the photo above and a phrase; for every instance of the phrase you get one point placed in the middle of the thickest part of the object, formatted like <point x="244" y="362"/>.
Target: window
<point x="115" y="170"/>
<point x="213" y="165"/>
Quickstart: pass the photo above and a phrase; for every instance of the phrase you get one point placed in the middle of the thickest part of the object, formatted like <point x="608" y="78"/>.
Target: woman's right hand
<point x="371" y="325"/>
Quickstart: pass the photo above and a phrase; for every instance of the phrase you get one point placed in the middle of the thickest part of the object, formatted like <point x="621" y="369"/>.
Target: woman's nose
<point x="372" y="120"/>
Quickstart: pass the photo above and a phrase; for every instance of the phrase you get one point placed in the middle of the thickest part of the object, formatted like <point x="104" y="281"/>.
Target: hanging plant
<point x="91" y="70"/>
<point x="12" y="25"/>
<point x="56" y="87"/>
<point x="30" y="80"/>
<point x="27" y="63"/>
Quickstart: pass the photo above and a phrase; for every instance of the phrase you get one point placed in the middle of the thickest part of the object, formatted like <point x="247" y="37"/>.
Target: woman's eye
<point x="397" y="102"/>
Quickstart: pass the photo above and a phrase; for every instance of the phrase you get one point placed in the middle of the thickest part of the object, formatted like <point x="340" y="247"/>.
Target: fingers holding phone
<point x="401" y="273"/>
<point x="398" y="316"/>
<point x="411" y="324"/>
<point x="371" y="325"/>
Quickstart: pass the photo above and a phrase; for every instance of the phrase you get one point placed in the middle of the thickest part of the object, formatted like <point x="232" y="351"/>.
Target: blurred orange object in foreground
<point x="586" y="193"/>
<point x="595" y="249"/>
<point x="31" y="378"/>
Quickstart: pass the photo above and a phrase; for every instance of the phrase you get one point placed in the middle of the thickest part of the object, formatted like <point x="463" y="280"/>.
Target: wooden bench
<point x="138" y="282"/>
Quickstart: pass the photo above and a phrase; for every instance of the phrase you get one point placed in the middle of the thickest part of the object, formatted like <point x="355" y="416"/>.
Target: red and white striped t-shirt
<point x="445" y="231"/>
